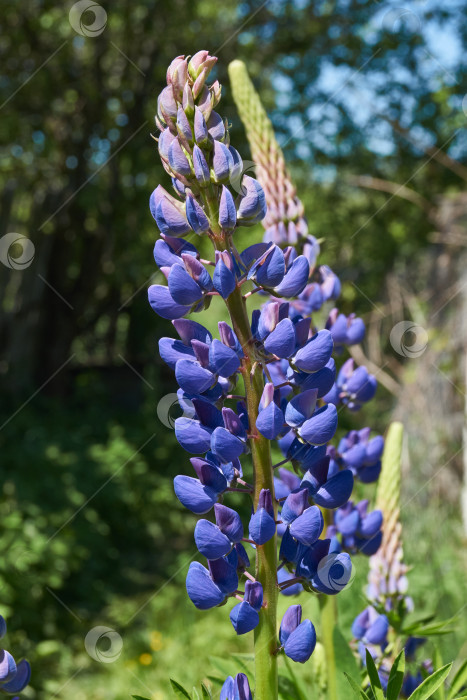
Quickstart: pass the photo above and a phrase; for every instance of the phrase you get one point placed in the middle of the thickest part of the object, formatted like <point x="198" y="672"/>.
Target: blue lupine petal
<point x="269" y="269"/>
<point x="371" y="524"/>
<point x="229" y="522"/>
<point x="322" y="380"/>
<point x="194" y="495"/>
<point x="308" y="527"/>
<point x="254" y="594"/>
<point x="283" y="576"/>
<point x="162" y="303"/>
<point x="320" y="428"/>
<point x="316" y="353"/>
<point x="165" y="255"/>
<point x="348" y="525"/>
<point x="193" y="378"/>
<point x="223" y="279"/>
<point x="289" y="547"/>
<point x="225" y="445"/>
<point x="211" y="542"/>
<point x="301" y="643"/>
<point x="192" y="436"/>
<point x="183" y="288"/>
<point x="209" y="474"/>
<point x="253" y="252"/>
<point x="244" y="618"/>
<point x="262" y="526"/>
<point x="360" y="624"/>
<point x="196" y="216"/>
<point x="294" y="505"/>
<point x="369" y="546"/>
<point x="208" y="414"/>
<point x="189" y="330"/>
<point x="252" y="206"/>
<point x="374" y="450"/>
<point x="301" y="407"/>
<point x="336" y="491"/>
<point x="224" y="575"/>
<point x="3" y="626"/>
<point x="172" y="350"/>
<point x="270" y="422"/>
<point x="377" y="632"/>
<point x="216" y="126"/>
<point x="201" y="589"/>
<point x="290" y="621"/>
<point x="177" y="159"/>
<point x="221" y="162"/>
<point x="228" y="689"/>
<point x="227" y="210"/>
<point x="21" y="679"/>
<point x="223" y="360"/>
<point x="281" y="341"/>
<point x="242" y="688"/>
<point x="295" y="279"/>
<point x="200" y="167"/>
<point x="7" y="666"/>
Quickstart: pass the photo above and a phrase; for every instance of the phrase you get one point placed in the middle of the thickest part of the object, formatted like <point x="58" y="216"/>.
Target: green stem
<point x="266" y="687"/>
<point x="328" y="614"/>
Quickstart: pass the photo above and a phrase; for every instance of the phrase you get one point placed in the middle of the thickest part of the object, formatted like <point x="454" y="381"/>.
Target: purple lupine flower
<point x="262" y="523"/>
<point x="13" y="677"/>
<point x="360" y="530"/>
<point x="244" y="616"/>
<point x="355" y="386"/>
<point x="359" y="453"/>
<point x="297" y="638"/>
<point x="236" y="688"/>
<point x="371" y="628"/>
<point x="345" y="330"/>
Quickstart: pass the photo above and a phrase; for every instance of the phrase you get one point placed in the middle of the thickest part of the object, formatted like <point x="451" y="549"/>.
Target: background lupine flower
<point x="13" y="677"/>
<point x="236" y="688"/>
<point x="359" y="529"/>
<point x="387" y="578"/>
<point x="359" y="453"/>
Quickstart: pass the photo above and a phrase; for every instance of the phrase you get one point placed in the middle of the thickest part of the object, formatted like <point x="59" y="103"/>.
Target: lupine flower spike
<point x="268" y="376"/>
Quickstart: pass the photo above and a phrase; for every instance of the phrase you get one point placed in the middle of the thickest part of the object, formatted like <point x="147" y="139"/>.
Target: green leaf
<point x="179" y="690"/>
<point x="286" y="689"/>
<point x="242" y="662"/>
<point x="139" y="697"/>
<point x="359" y="692"/>
<point x="459" y="680"/>
<point x="301" y="691"/>
<point x="396" y="677"/>
<point x="195" y="694"/>
<point x="345" y="662"/>
<point x="206" y="692"/>
<point x="374" y="678"/>
<point x="430" y="684"/>
<point x="437" y="663"/>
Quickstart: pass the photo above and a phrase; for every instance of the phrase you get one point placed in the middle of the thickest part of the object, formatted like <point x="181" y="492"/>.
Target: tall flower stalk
<point x="270" y="376"/>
